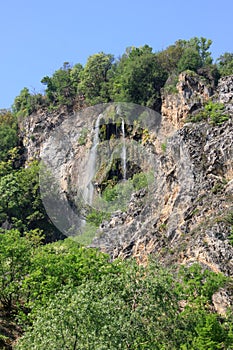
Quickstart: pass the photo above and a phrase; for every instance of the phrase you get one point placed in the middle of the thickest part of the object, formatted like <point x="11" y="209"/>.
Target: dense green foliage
<point x="95" y="78"/>
<point x="138" y="78"/>
<point x="225" y="64"/>
<point x="132" y="307"/>
<point x="195" y="55"/>
<point x="27" y="103"/>
<point x="62" y="87"/>
<point x="21" y="206"/>
<point x="72" y="297"/>
<point x="8" y="136"/>
<point x="15" y="262"/>
<point x="31" y="273"/>
<point x="213" y="112"/>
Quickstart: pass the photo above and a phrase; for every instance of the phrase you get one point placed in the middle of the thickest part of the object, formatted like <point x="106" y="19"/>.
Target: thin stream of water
<point x="91" y="165"/>
<point x="123" y="153"/>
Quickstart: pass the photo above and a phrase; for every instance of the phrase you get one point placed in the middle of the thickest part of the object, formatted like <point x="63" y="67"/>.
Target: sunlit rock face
<point x="225" y="92"/>
<point x="190" y="93"/>
<point x="184" y="213"/>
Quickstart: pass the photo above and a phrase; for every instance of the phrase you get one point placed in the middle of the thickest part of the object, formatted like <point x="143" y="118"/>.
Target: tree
<point x="210" y="334"/>
<point x="225" y="64"/>
<point x="190" y="60"/>
<point x="118" y="311"/>
<point x="186" y="54"/>
<point x="138" y="78"/>
<point x="169" y="58"/>
<point x="8" y="135"/>
<point x="195" y="54"/>
<point x="15" y="255"/>
<point x="59" y="264"/>
<point x="62" y="86"/>
<point x="27" y="103"/>
<point x="94" y="78"/>
<point x="75" y="76"/>
<point x="202" y="45"/>
<point x="31" y="273"/>
<point x="21" y="206"/>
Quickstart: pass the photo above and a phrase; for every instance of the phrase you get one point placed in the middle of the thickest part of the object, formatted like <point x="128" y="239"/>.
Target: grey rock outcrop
<point x="35" y="130"/>
<point x="225" y="92"/>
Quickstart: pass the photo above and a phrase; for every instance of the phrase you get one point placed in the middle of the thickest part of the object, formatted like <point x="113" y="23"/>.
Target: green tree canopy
<point x="62" y="86"/>
<point x="190" y="60"/>
<point x="94" y="78"/>
<point x="169" y="58"/>
<point x="202" y="45"/>
<point x="138" y="78"/>
<point x="225" y="64"/>
<point x="27" y="103"/>
<point x="136" y="308"/>
<point x="15" y="261"/>
<point x="8" y="135"/>
<point x="21" y="206"/>
<point x="186" y="54"/>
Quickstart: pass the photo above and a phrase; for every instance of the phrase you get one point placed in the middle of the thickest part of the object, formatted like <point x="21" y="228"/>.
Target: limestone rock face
<point x="192" y="92"/>
<point x="225" y="92"/>
<point x="35" y="130"/>
<point x="186" y="214"/>
<point x="221" y="301"/>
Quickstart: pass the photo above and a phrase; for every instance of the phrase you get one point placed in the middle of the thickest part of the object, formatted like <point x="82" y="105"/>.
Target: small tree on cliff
<point x="225" y="64"/>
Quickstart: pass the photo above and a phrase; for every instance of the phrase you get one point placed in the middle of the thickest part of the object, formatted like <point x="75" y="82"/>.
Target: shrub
<point x="225" y="64"/>
<point x="95" y="217"/>
<point x="83" y="137"/>
<point x="213" y="112"/>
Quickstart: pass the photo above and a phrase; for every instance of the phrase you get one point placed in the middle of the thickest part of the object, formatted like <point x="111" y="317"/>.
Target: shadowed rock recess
<point x="187" y="213"/>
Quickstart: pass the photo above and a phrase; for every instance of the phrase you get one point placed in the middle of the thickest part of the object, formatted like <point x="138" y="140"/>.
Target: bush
<point x="213" y="112"/>
<point x="83" y="137"/>
<point x="225" y="64"/>
<point x="95" y="217"/>
<point x="117" y="197"/>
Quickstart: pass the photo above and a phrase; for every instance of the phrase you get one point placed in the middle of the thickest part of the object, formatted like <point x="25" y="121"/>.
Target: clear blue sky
<point x="38" y="36"/>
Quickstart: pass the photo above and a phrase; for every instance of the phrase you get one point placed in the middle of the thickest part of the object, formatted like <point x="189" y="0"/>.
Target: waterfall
<point x="123" y="153"/>
<point x="91" y="165"/>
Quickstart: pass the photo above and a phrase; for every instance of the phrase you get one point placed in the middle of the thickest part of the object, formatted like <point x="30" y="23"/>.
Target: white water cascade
<point x="123" y="153"/>
<point x="88" y="193"/>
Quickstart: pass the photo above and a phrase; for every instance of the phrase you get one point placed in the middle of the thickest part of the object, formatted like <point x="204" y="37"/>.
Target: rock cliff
<point x="186" y="214"/>
<point x="189" y="215"/>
